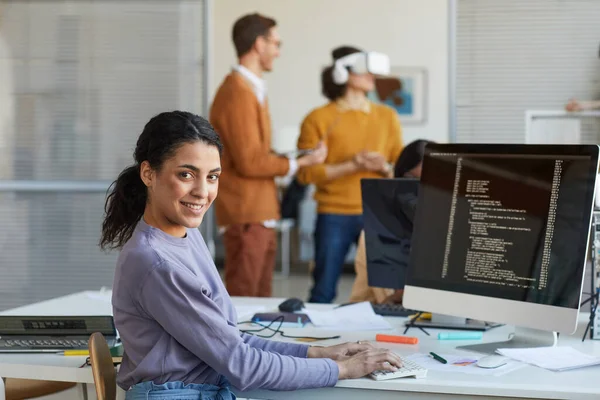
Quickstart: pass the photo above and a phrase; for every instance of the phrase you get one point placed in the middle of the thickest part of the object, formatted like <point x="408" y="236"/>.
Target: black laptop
<point x="41" y="334"/>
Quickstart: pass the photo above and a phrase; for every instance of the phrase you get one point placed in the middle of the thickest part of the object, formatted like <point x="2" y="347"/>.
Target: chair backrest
<point x="105" y="376"/>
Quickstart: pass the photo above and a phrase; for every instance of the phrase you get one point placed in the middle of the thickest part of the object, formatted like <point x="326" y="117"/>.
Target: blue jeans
<point x="334" y="234"/>
<point x="179" y="391"/>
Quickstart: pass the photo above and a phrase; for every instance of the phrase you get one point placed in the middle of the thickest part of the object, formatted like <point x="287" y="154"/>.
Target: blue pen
<point x="460" y="335"/>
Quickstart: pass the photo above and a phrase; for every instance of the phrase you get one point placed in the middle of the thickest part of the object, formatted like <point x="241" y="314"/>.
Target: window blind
<point x="87" y="76"/>
<point x="514" y="55"/>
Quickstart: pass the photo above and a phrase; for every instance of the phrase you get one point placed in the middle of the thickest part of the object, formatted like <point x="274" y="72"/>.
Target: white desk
<point x="528" y="382"/>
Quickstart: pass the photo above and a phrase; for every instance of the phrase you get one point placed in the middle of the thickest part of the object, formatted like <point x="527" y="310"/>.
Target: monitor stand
<point x="441" y="319"/>
<point x="522" y="338"/>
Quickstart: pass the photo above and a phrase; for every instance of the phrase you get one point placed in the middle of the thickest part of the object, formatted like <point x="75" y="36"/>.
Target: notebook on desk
<point x="50" y="334"/>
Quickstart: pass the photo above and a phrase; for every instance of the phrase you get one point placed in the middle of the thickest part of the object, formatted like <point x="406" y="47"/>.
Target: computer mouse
<point x="492" y="361"/>
<point x="291" y="305"/>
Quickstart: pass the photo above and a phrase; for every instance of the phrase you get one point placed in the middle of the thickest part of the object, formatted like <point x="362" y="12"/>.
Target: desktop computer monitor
<point x="501" y="234"/>
<point x="388" y="211"/>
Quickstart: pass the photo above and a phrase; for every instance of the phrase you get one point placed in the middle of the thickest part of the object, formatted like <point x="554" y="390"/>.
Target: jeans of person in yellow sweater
<point x="334" y="234"/>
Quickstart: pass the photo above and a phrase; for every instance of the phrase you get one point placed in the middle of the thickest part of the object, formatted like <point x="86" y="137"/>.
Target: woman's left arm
<point x="283" y="348"/>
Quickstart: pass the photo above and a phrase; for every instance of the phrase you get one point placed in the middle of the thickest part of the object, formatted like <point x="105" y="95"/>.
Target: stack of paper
<point x="553" y="358"/>
<point x="354" y="317"/>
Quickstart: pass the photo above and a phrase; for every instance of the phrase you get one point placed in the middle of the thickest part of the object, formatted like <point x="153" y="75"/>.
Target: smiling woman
<point x="175" y="318"/>
<point x="183" y="189"/>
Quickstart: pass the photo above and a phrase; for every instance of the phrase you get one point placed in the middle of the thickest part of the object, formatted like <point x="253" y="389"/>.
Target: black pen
<point x="440" y="359"/>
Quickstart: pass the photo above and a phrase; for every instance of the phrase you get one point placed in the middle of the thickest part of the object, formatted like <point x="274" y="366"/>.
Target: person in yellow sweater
<point x="363" y="140"/>
<point x="409" y="165"/>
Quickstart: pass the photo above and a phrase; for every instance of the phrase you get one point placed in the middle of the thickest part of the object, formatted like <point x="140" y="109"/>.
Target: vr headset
<point x="360" y="63"/>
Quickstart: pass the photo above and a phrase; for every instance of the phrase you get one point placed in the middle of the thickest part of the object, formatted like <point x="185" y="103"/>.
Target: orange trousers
<point x="250" y="251"/>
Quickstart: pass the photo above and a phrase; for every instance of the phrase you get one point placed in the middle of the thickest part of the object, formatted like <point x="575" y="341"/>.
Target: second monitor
<point x="389" y="207"/>
<point x="501" y="234"/>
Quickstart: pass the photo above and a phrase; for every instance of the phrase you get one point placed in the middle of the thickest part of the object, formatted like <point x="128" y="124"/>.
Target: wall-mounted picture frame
<point x="405" y="90"/>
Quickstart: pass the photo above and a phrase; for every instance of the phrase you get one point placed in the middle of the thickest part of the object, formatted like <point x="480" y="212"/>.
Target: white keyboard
<point x="408" y="369"/>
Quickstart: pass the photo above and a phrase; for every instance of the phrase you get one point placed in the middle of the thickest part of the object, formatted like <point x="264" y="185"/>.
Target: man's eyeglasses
<point x="269" y="39"/>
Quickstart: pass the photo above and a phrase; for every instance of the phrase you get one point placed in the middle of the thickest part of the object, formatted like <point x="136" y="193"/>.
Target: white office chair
<point x="284" y="227"/>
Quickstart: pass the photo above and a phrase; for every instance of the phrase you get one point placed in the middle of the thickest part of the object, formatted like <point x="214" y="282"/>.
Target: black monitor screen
<point x="388" y="212"/>
<point x="505" y="221"/>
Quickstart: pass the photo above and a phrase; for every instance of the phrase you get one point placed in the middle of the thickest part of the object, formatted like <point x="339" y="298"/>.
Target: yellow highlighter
<point x="424" y="316"/>
<point x="76" y="353"/>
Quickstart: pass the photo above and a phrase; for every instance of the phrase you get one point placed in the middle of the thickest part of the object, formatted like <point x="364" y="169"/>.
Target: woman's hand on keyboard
<point x="365" y="362"/>
<point x="339" y="351"/>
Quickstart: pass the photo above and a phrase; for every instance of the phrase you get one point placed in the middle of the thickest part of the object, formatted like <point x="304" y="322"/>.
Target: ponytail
<point x="124" y="207"/>
<point x="329" y="88"/>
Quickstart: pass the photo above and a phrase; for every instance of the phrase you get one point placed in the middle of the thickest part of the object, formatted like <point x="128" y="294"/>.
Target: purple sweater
<point x="177" y="322"/>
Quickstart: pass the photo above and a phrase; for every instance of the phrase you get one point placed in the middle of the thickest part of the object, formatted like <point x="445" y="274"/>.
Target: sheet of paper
<point x="462" y="363"/>
<point x="558" y="358"/>
<point x="354" y="317"/>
